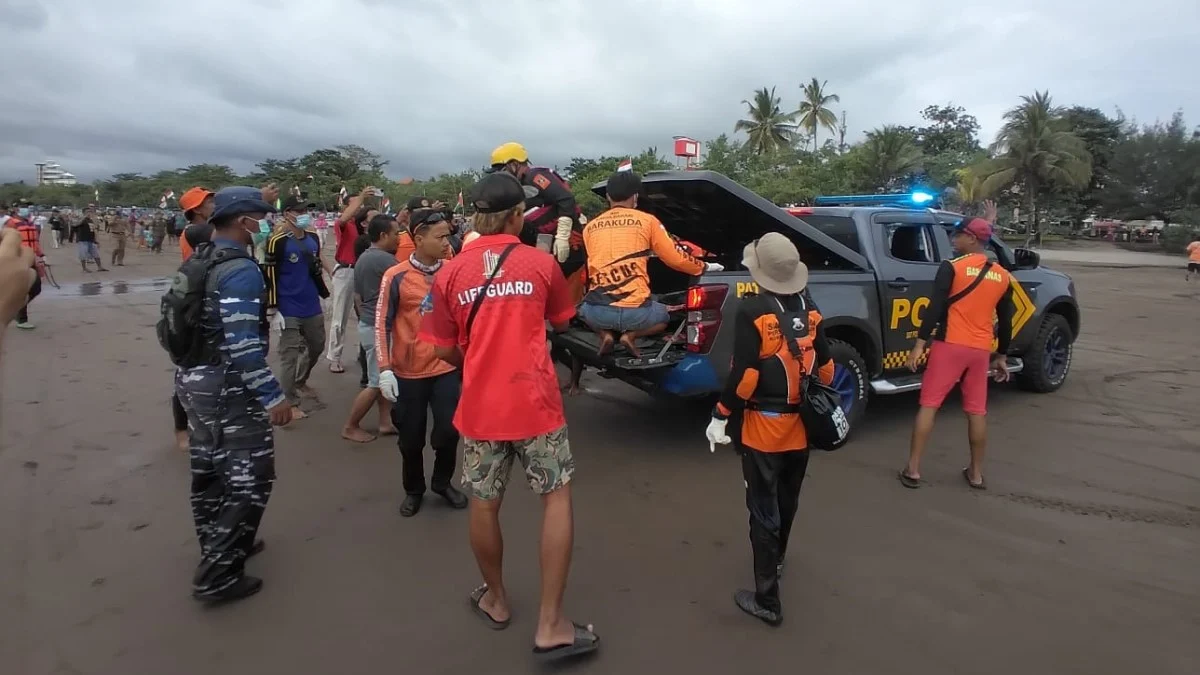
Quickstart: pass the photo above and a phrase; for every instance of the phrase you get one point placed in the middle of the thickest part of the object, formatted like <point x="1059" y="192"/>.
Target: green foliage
<point x="1175" y="238"/>
<point x="767" y="127"/>
<point x="1048" y="161"/>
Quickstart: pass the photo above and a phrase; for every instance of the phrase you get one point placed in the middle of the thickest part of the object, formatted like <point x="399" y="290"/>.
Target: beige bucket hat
<point x="774" y="264"/>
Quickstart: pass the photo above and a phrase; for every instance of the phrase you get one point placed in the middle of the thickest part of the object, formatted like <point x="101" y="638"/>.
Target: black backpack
<point x="180" y="325"/>
<point x="820" y="409"/>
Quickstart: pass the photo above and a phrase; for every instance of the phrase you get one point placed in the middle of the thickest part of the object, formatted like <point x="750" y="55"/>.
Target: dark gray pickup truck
<point x="871" y="273"/>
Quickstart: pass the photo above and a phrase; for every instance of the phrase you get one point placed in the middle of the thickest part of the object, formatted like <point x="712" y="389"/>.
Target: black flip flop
<point x="981" y="485"/>
<point x="475" y="598"/>
<point x="908" y="481"/>
<point x="586" y="642"/>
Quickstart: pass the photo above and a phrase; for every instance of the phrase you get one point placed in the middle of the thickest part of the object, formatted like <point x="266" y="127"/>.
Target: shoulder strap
<point x="785" y="326"/>
<point x="972" y="286"/>
<point x="483" y="289"/>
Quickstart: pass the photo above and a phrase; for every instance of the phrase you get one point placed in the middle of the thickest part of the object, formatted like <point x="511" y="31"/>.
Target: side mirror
<point x="1026" y="259"/>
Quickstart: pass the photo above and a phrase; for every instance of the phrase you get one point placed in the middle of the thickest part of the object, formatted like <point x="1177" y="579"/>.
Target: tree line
<point x="1047" y="164"/>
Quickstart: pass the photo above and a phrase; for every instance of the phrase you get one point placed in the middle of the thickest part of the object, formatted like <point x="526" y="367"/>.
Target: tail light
<point x="704" y="315"/>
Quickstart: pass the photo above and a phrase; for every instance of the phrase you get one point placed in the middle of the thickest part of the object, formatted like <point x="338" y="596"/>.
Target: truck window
<point x="839" y="228"/>
<point x="911" y="242"/>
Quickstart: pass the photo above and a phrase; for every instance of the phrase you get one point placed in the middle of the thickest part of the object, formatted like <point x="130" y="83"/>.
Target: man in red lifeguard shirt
<point x="488" y="311"/>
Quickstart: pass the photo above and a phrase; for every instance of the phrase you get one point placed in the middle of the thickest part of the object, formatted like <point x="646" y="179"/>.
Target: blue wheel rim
<point x="844" y="385"/>
<point x="1057" y="355"/>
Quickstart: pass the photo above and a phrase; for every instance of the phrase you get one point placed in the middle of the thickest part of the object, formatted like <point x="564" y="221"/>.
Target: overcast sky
<point x="103" y="86"/>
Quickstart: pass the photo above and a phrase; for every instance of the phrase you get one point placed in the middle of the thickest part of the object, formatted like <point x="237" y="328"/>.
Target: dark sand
<point x="1082" y="558"/>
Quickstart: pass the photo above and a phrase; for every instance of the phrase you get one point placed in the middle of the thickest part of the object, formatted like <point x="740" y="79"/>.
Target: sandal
<point x="908" y="481"/>
<point x="337" y="368"/>
<point x="981" y="485"/>
<point x="586" y="641"/>
<point x="475" y="598"/>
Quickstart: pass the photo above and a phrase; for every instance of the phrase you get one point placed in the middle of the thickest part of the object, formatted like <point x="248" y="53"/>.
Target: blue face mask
<point x="23" y="213"/>
<point x="303" y="221"/>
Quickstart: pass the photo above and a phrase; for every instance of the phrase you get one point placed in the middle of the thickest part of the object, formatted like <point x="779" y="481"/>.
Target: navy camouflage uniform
<point x="231" y="439"/>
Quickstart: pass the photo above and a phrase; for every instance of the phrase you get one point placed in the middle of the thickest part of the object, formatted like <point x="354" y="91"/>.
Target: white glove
<point x="716" y="434"/>
<point x="388" y="385"/>
<point x="562" y="239"/>
<point x="714" y="267"/>
<point x="277" y="322"/>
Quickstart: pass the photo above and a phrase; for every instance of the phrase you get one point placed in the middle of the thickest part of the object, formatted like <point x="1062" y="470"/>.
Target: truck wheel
<point x="850" y="380"/>
<point x="1048" y="359"/>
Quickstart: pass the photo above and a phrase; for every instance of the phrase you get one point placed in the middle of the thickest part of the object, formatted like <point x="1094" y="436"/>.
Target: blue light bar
<point x="918" y="199"/>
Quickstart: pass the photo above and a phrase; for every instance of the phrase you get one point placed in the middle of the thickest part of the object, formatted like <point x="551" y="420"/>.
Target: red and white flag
<point x="342" y="195"/>
<point x="386" y="204"/>
<point x="169" y="194"/>
<point x="460" y="201"/>
<point x="627" y="165"/>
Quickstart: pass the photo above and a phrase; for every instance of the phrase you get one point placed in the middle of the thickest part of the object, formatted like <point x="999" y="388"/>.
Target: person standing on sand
<point x="971" y="307"/>
<point x="119" y="230"/>
<point x="295" y="287"/>
<point x="510" y="407"/>
<point x="369" y="270"/>
<point x="84" y="237"/>
<point x="410" y="373"/>
<point x="231" y="407"/>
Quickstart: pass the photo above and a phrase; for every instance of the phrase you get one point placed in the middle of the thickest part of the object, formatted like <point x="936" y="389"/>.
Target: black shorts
<point x="1193" y="267"/>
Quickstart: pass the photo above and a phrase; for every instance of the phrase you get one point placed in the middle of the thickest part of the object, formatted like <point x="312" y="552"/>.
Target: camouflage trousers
<point x="232" y="448"/>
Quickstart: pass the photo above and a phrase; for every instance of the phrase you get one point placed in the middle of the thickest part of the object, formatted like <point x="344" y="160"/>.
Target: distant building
<point x="50" y="173"/>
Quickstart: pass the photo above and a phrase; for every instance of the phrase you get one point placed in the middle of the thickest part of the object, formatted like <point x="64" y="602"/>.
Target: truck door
<point x="911" y="248"/>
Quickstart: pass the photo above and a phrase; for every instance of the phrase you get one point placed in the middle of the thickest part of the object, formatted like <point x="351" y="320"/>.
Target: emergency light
<point x="917" y="199"/>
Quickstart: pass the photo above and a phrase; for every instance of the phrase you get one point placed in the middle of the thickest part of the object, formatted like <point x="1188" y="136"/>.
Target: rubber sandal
<point x="981" y="485"/>
<point x="908" y="481"/>
<point x="586" y="642"/>
<point x="475" y="598"/>
<point x="337" y="368"/>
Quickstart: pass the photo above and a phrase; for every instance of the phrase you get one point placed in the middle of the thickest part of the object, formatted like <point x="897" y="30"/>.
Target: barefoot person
<point x="489" y="309"/>
<point x="619" y="243"/>
<point x="970" y="295"/>
<point x="410" y="373"/>
<point x="383" y="232"/>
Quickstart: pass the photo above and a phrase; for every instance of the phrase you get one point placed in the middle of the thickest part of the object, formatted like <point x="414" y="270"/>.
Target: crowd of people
<point x="452" y="318"/>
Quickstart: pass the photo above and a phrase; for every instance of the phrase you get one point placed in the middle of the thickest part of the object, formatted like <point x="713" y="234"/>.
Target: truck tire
<point x="850" y="380"/>
<point x="1048" y="359"/>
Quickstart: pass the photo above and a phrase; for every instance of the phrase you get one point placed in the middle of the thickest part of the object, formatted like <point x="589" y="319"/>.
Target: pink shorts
<point x="948" y="365"/>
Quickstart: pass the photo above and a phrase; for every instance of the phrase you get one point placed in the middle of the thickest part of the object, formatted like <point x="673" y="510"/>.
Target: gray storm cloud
<point x="133" y="85"/>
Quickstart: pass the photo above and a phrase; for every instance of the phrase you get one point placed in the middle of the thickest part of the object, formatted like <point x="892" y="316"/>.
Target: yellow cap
<point x="509" y="152"/>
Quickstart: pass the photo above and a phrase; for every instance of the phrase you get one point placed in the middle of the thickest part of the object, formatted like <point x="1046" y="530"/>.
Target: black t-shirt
<point x="83" y="231"/>
<point x="56" y="223"/>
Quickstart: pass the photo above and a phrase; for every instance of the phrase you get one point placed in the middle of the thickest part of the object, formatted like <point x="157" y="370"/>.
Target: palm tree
<point x="969" y="186"/>
<point x="814" y="110"/>
<point x="1034" y="152"/>
<point x="888" y="155"/>
<point x="768" y="127"/>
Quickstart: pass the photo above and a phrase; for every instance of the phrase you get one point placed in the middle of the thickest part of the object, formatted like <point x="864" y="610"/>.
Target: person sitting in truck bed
<point x="618" y="243"/>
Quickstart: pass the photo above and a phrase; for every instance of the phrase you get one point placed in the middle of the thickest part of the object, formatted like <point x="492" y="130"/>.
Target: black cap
<point x="622" y="185"/>
<point x="418" y="203"/>
<point x="294" y="203"/>
<point x="498" y="192"/>
<point x="422" y="217"/>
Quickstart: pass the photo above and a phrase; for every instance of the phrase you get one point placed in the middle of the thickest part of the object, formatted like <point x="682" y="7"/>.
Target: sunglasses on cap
<point x="423" y="218"/>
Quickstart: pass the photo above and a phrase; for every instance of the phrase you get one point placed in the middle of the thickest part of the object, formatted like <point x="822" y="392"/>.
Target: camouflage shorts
<point x="546" y="459"/>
